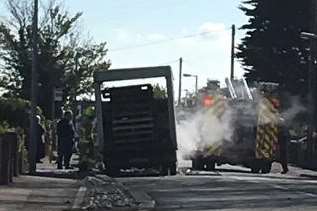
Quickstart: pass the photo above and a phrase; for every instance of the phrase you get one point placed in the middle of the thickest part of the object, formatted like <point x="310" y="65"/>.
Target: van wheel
<point x="255" y="170"/>
<point x="210" y="165"/>
<point x="266" y="167"/>
<point x="198" y="164"/>
<point x="168" y="169"/>
<point x="173" y="169"/>
<point x="256" y="166"/>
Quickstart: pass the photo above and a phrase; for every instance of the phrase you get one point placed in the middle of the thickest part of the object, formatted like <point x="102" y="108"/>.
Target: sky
<point x="158" y="32"/>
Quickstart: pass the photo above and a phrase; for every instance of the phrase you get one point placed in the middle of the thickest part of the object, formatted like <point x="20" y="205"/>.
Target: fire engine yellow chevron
<point x="267" y="130"/>
<point x="215" y="149"/>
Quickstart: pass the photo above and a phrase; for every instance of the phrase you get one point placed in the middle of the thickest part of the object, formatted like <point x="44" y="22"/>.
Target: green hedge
<point x="14" y="115"/>
<point x="87" y="152"/>
<point x="14" y="112"/>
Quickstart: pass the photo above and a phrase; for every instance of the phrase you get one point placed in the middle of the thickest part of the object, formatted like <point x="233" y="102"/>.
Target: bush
<point x="86" y="145"/>
<point x="15" y="112"/>
<point x="4" y="127"/>
<point x="14" y="116"/>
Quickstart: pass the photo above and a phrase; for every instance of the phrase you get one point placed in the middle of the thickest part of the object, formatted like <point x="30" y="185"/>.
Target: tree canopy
<point x="272" y="49"/>
<point x="67" y="59"/>
<point x="159" y="91"/>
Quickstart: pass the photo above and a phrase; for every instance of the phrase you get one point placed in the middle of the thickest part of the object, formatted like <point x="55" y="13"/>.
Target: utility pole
<point x="74" y="105"/>
<point x="312" y="85"/>
<point x="33" y="128"/>
<point x="196" y="85"/>
<point x="180" y="80"/>
<point x="232" y="51"/>
<point x="313" y="77"/>
<point x="310" y="103"/>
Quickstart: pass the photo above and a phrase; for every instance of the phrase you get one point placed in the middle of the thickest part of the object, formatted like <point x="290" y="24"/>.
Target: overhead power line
<point x="160" y="41"/>
<point x="168" y="62"/>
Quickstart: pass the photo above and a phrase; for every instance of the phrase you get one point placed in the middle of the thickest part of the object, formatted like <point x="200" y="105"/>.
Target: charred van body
<point x="136" y="129"/>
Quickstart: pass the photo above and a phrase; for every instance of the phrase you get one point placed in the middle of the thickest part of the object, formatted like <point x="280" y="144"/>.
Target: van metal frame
<point x="130" y="74"/>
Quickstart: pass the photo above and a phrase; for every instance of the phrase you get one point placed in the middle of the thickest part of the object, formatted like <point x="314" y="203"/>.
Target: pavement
<point x="49" y="189"/>
<point x="49" y="169"/>
<point x="33" y="193"/>
<point x="64" y="189"/>
<point x="295" y="171"/>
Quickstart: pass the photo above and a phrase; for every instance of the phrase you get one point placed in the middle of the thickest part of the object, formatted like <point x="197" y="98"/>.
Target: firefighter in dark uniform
<point x="65" y="134"/>
<point x="40" y="149"/>
<point x="283" y="137"/>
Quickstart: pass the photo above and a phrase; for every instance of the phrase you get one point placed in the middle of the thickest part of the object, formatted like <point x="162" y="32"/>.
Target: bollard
<point x="12" y="137"/>
<point x="8" y="157"/>
<point x="6" y="167"/>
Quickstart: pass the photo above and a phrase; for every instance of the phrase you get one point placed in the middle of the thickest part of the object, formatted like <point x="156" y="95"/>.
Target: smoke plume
<point x="204" y="128"/>
<point x="295" y="108"/>
<point x="201" y="129"/>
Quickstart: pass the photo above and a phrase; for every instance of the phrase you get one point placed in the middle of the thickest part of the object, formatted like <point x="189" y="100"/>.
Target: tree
<point x="87" y="59"/>
<point x="65" y="59"/>
<point x="272" y="49"/>
<point x="159" y="92"/>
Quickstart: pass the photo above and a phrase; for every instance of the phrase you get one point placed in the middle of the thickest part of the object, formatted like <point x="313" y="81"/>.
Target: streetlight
<point x="196" y="83"/>
<point x="311" y="90"/>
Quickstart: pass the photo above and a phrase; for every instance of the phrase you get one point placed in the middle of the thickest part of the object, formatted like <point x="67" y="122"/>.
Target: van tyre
<point x="210" y="165"/>
<point x="197" y="164"/>
<point x="255" y="170"/>
<point x="168" y="169"/>
<point x="266" y="167"/>
<point x="173" y="169"/>
<point x="258" y="166"/>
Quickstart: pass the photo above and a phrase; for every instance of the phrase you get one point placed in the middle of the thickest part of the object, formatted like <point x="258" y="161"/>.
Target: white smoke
<point x="188" y="135"/>
<point x="201" y="129"/>
<point x="295" y="108"/>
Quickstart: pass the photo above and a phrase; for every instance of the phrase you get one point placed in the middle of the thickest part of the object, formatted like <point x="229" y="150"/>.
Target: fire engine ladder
<point x="239" y="89"/>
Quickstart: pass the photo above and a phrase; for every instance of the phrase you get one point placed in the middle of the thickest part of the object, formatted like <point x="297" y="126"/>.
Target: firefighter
<point x="40" y="152"/>
<point x="283" y="137"/>
<point x="65" y="134"/>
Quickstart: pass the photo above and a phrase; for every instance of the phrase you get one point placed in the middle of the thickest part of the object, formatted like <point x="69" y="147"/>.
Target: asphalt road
<point x="228" y="190"/>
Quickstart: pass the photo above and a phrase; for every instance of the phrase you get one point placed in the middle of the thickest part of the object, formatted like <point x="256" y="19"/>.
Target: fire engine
<point x="248" y="131"/>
